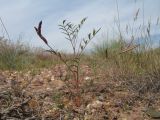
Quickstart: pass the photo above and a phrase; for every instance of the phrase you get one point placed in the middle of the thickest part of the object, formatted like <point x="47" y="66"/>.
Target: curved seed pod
<point x="38" y="30"/>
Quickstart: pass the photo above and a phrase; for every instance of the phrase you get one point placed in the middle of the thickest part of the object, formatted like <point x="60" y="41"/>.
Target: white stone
<point x="87" y="78"/>
<point x="52" y="78"/>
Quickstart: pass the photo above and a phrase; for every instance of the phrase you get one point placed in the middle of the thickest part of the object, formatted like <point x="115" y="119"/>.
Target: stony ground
<point x="42" y="94"/>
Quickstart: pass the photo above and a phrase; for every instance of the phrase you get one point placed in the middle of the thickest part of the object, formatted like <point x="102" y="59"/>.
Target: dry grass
<point x="19" y="56"/>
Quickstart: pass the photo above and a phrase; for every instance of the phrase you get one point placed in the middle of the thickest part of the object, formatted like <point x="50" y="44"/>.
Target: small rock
<point x="57" y="84"/>
<point x="94" y="105"/>
<point x="38" y="81"/>
<point x="101" y="98"/>
<point x="2" y="80"/>
<point x="48" y="89"/>
<point x="52" y="78"/>
<point x="87" y="78"/>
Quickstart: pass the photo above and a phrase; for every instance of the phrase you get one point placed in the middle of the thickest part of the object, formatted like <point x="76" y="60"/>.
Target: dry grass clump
<point x="13" y="55"/>
<point x="134" y="65"/>
<point x="19" y="56"/>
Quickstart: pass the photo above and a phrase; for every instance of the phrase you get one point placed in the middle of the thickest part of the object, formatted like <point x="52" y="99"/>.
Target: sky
<point x="20" y="17"/>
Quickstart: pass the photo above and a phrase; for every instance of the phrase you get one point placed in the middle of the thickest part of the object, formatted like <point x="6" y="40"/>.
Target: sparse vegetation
<point x="18" y="56"/>
<point x="119" y="79"/>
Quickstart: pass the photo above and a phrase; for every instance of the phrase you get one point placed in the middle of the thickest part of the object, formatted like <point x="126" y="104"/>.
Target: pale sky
<point x="20" y="17"/>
